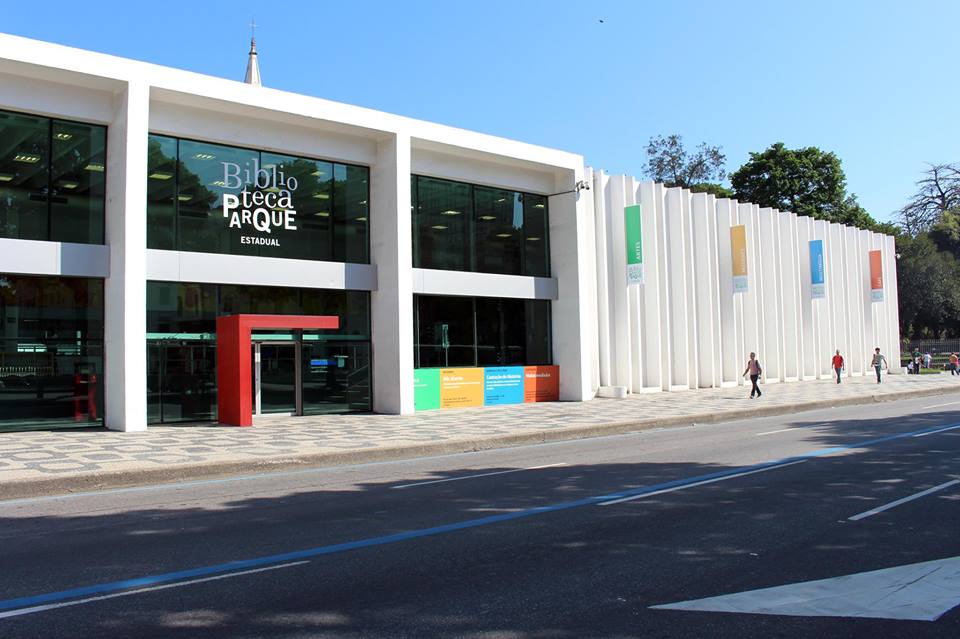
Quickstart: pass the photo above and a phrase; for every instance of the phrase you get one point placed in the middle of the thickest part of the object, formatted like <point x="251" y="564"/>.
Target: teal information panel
<point x="426" y="388"/>
<point x="503" y="385"/>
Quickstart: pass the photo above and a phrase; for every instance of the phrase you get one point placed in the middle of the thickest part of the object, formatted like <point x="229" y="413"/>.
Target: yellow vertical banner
<point x="738" y="252"/>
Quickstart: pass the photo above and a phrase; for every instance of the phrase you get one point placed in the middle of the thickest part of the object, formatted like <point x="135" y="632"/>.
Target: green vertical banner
<point x="631" y="215"/>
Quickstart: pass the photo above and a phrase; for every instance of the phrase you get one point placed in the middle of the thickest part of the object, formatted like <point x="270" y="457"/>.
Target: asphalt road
<point x="523" y="542"/>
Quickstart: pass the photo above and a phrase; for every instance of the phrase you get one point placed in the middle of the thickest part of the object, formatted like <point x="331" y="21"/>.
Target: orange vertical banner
<point x="876" y="276"/>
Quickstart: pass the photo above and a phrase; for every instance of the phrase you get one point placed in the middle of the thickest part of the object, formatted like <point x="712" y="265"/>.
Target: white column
<point x="790" y="299"/>
<point x="703" y="266"/>
<point x="569" y="243"/>
<point x="391" y="304"/>
<point x="666" y="285"/>
<point x="677" y="222"/>
<point x="651" y="293"/>
<point x="620" y="344"/>
<point x="125" y="290"/>
<point x="601" y="237"/>
<point x="726" y="217"/>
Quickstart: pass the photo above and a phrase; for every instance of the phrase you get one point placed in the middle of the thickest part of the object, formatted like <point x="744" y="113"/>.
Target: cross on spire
<point x="253" y="30"/>
<point x="253" y="67"/>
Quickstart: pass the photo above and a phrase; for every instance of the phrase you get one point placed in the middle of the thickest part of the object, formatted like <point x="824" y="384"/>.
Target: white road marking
<point x="771" y="432"/>
<point x="499" y="472"/>
<point x="939" y="405"/>
<point x="76" y="602"/>
<point x="699" y="483"/>
<point x="939" y="430"/>
<point x="920" y="592"/>
<point x="894" y="504"/>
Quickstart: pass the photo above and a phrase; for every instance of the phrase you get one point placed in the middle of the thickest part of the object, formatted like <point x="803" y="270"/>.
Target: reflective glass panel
<point x="77" y="183"/>
<point x="51" y="351"/>
<point x="498" y="216"/>
<point x="445" y="331"/>
<point x="443" y="224"/>
<point x="161" y="192"/>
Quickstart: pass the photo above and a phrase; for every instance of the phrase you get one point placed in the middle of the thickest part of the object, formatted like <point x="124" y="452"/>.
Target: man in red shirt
<point x="838" y="365"/>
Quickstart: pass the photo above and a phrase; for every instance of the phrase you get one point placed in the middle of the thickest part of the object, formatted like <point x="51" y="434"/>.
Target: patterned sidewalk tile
<point x="48" y="453"/>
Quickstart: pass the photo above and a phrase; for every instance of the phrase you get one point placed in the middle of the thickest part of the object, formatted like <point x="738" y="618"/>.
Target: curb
<point x="94" y="481"/>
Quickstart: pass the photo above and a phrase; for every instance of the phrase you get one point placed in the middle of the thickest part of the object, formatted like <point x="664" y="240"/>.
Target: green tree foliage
<point x="804" y="181"/>
<point x="669" y="162"/>
<point x="927" y="286"/>
<point x="713" y="188"/>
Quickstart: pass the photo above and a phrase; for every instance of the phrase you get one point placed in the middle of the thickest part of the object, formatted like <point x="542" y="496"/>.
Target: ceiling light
<point x="184" y="198"/>
<point x="504" y="235"/>
<point x="539" y="206"/>
<point x="204" y="156"/>
<point x="219" y="183"/>
<point x="363" y="201"/>
<point x="450" y="212"/>
<point x="322" y="196"/>
<point x="63" y="136"/>
<point x="503" y="199"/>
<point x="361" y="219"/>
<point x="439" y="227"/>
<point x="322" y="214"/>
<point x="318" y="173"/>
<point x="532" y="239"/>
<point x="6" y="177"/>
<point x="161" y="176"/>
<point x="68" y="184"/>
<point x="94" y="166"/>
<point x="487" y="218"/>
<point x="26" y="158"/>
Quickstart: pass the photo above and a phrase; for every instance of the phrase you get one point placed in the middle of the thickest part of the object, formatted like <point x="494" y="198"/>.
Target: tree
<point x="669" y="162"/>
<point x="937" y="192"/>
<point x="946" y="232"/>
<point x="713" y="188"/>
<point x="929" y="298"/>
<point x="804" y="181"/>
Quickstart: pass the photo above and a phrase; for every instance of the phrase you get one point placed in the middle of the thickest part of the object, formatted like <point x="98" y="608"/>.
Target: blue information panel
<point x="503" y="385"/>
<point x="816" y="270"/>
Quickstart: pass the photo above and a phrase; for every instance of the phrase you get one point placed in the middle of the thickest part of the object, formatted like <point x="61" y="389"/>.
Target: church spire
<point x="253" y="67"/>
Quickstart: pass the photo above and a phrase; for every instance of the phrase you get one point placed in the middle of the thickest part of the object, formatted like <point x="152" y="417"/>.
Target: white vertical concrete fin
<point x="391" y="305"/>
<point x="125" y="289"/>
<point x="620" y="306"/>
<point x="650" y="290"/>
<point x="635" y="303"/>
<point x="573" y="314"/>
<point x="601" y="233"/>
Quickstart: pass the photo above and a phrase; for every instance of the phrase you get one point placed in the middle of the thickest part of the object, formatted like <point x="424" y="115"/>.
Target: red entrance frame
<point x="234" y="401"/>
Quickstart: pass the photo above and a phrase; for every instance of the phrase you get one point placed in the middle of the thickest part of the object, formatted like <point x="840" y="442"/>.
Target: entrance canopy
<point x="234" y="400"/>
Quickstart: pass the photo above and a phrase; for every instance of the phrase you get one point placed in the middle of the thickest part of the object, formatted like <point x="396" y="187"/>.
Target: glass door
<point x="276" y="380"/>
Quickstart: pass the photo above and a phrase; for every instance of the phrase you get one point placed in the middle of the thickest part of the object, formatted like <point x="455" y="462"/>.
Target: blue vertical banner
<point x="817" y="285"/>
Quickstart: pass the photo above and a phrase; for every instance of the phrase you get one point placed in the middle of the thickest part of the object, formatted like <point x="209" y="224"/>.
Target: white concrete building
<point x="138" y="203"/>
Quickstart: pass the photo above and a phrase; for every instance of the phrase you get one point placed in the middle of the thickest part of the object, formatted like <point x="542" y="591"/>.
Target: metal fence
<point x="940" y="349"/>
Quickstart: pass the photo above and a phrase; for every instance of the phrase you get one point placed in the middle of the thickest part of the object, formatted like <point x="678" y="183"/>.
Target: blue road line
<point x="245" y="564"/>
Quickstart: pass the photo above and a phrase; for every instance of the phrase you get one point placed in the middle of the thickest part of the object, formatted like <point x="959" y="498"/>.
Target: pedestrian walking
<point x="879" y="361"/>
<point x="916" y="361"/>
<point x="753" y="369"/>
<point x="954" y="364"/>
<point x="927" y="360"/>
<point x="838" y="364"/>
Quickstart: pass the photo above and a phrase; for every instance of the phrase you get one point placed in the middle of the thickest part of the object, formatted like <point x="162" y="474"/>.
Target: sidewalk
<point x="53" y="462"/>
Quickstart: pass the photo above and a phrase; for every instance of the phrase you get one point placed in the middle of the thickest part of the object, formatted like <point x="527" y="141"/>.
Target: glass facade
<point x="51" y="351"/>
<point x="181" y="346"/>
<point x="480" y="331"/>
<point x="52" y="179"/>
<point x="465" y="227"/>
<point x="212" y="198"/>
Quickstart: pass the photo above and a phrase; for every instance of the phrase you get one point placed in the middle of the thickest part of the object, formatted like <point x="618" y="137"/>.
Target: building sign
<point x="264" y="203"/>
<point x="631" y="216"/>
<point x="876" y="276"/>
<point x="503" y="385"/>
<point x="461" y="387"/>
<point x="738" y="252"/>
<point x="817" y="285"/>
<point x="541" y="384"/>
<point x="426" y="388"/>
<point x="494" y="386"/>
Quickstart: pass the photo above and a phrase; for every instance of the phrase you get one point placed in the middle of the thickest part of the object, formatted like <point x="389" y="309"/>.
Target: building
<point x="143" y="206"/>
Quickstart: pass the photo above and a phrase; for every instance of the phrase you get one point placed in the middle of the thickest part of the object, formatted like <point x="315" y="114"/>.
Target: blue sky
<point x="873" y="81"/>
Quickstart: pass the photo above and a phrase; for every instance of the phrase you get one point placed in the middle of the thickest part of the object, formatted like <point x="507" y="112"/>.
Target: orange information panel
<point x="541" y="384"/>
<point x="461" y="387"/>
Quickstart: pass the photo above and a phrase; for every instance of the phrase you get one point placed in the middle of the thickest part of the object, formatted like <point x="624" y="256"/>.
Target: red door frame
<point x="234" y="369"/>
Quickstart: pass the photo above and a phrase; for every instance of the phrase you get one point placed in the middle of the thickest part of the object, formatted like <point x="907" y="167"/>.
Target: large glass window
<point x="213" y="198"/>
<point x="51" y="351"/>
<point x="181" y="346"/>
<point x="52" y="179"/>
<point x="480" y="331"/>
<point x="463" y="227"/>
